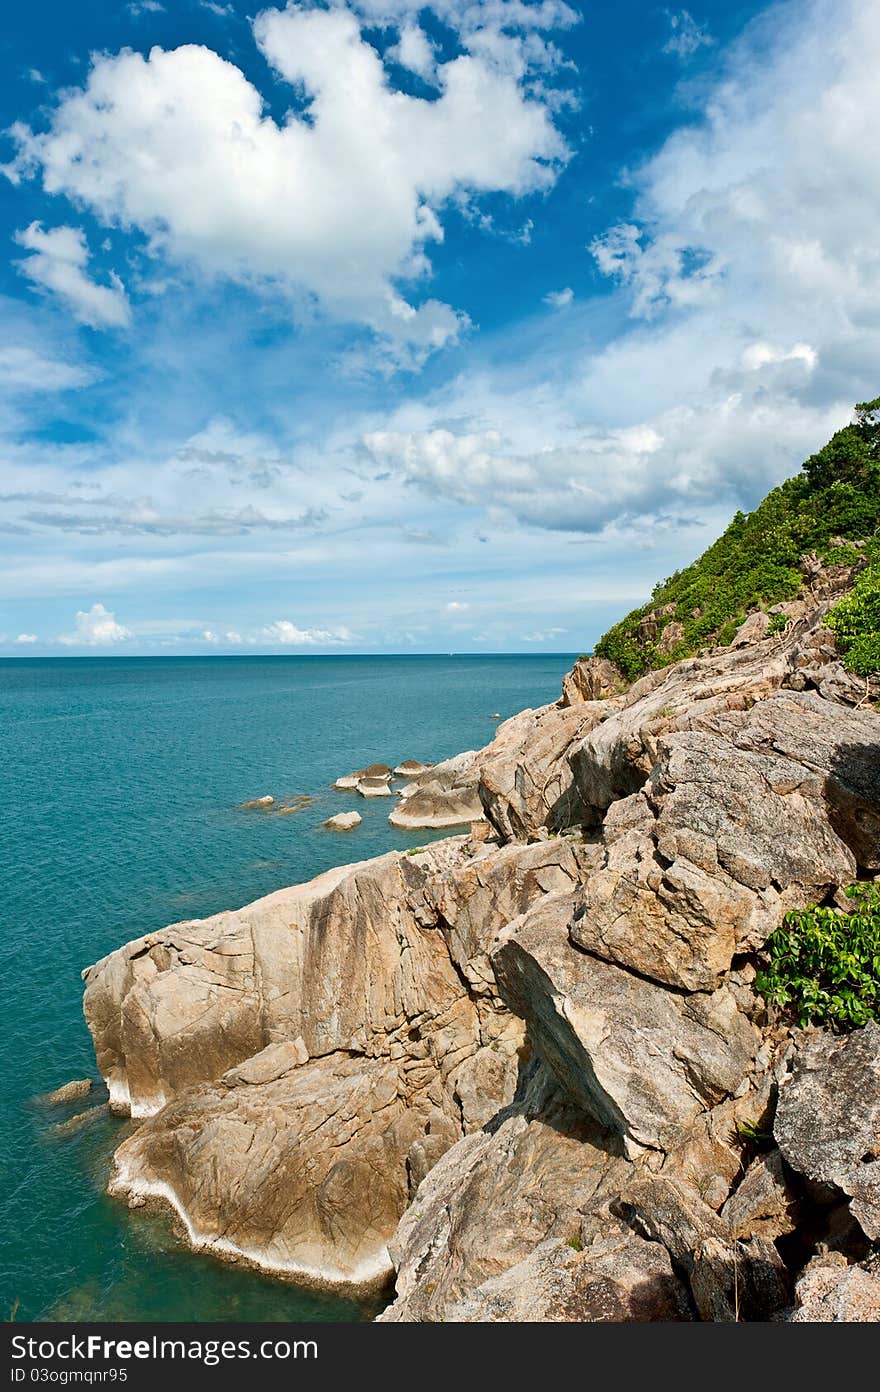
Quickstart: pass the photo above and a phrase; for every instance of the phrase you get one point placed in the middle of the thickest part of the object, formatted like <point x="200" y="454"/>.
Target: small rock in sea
<point x="70" y="1092"/>
<point x="266" y="801"/>
<point x="411" y="767"/>
<point x="295" y="805"/>
<point x="377" y="771"/>
<point x="63" y="1128"/>
<point x="349" y="781"/>
<point x="496" y="715"/>
<point x="374" y="787"/>
<point x="343" y="821"/>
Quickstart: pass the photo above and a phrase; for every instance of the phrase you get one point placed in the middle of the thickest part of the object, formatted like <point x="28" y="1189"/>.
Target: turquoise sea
<point x="120" y="781"/>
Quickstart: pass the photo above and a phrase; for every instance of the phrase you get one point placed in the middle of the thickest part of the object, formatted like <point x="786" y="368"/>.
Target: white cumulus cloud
<point x="27" y="638"/>
<point x="752" y="286"/>
<point x="96" y="628"/>
<point x="337" y="205"/>
<point x="288" y="634"/>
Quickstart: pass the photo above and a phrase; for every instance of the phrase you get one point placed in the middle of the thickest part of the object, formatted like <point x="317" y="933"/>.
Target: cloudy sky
<point x="379" y="326"/>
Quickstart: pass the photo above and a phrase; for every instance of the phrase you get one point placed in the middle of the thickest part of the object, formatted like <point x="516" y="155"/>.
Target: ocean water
<point x="120" y="785"/>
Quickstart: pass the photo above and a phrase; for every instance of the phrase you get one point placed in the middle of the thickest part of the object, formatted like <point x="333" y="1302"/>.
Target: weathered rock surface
<point x="412" y="768"/>
<point x="643" y="1060"/>
<point x="828" y="1119"/>
<point x="698" y="867"/>
<point x="260" y="1042"/>
<point x="765" y="1202"/>
<point x="525" y="781"/>
<point x="69" y="1092"/>
<point x="435" y="808"/>
<point x="592" y="679"/>
<point x="830" y="1291"/>
<point x="339" y="961"/>
<point x="349" y="781"/>
<point x="496" y="1195"/>
<point x="614" y="760"/>
<point x="374" y="787"/>
<point x="343" y="821"/>
<point x="473" y="899"/>
<point x="729" y="1278"/>
<point x="298" y="1167"/>
<point x="618" y="1276"/>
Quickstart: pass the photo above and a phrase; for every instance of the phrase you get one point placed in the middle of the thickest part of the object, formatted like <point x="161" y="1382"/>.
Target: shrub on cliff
<point x="856" y="623"/>
<point x="825" y="963"/>
<point x="755" y="562"/>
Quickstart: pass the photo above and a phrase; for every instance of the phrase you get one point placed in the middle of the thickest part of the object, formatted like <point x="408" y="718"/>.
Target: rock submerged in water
<point x="343" y="821"/>
<point x="73" y="1091"/>
<point x="296" y="804"/>
<point x="256" y="803"/>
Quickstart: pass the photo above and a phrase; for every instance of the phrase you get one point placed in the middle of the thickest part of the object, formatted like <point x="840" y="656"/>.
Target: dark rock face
<point x="729" y="1278"/>
<point x="828" y="1120"/>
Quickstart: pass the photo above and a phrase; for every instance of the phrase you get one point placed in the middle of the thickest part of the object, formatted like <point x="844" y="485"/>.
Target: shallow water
<point x="120" y="781"/>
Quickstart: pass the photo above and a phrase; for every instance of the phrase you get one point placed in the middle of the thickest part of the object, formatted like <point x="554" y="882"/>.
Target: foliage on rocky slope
<point x="831" y="508"/>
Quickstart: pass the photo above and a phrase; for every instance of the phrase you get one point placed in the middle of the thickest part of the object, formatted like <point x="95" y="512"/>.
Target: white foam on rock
<point x="367" y="1273"/>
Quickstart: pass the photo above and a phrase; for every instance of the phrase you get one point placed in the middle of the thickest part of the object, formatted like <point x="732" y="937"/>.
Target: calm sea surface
<point x="120" y="781"/>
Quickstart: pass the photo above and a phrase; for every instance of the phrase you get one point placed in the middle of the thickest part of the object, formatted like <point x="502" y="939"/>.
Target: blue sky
<point x="385" y="327"/>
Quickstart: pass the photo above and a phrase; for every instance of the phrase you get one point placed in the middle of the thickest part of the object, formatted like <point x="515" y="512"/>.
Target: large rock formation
<point x="527" y="1067"/>
<point x="304" y="1008"/>
<point x="298" y="1167"/>
<point x="498" y="1194"/>
<point x="526" y="783"/>
<point x="644" y="1060"/>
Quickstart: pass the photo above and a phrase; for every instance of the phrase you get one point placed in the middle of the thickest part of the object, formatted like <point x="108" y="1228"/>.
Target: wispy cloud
<point x="558" y="299"/>
<point x="686" y="36"/>
<point x="57" y="263"/>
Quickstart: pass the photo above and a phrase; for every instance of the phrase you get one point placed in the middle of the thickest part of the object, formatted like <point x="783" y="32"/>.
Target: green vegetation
<point x="825" y="963"/>
<point x="856" y="621"/>
<point x="833" y="502"/>
<point x="753" y="1133"/>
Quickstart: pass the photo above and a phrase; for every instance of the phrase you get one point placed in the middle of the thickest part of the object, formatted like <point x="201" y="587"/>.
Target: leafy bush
<point x="856" y="622"/>
<point x="825" y="963"/>
<point x="755" y="563"/>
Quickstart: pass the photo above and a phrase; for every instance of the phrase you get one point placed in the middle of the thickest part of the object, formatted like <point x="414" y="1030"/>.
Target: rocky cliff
<point x="527" y="1074"/>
